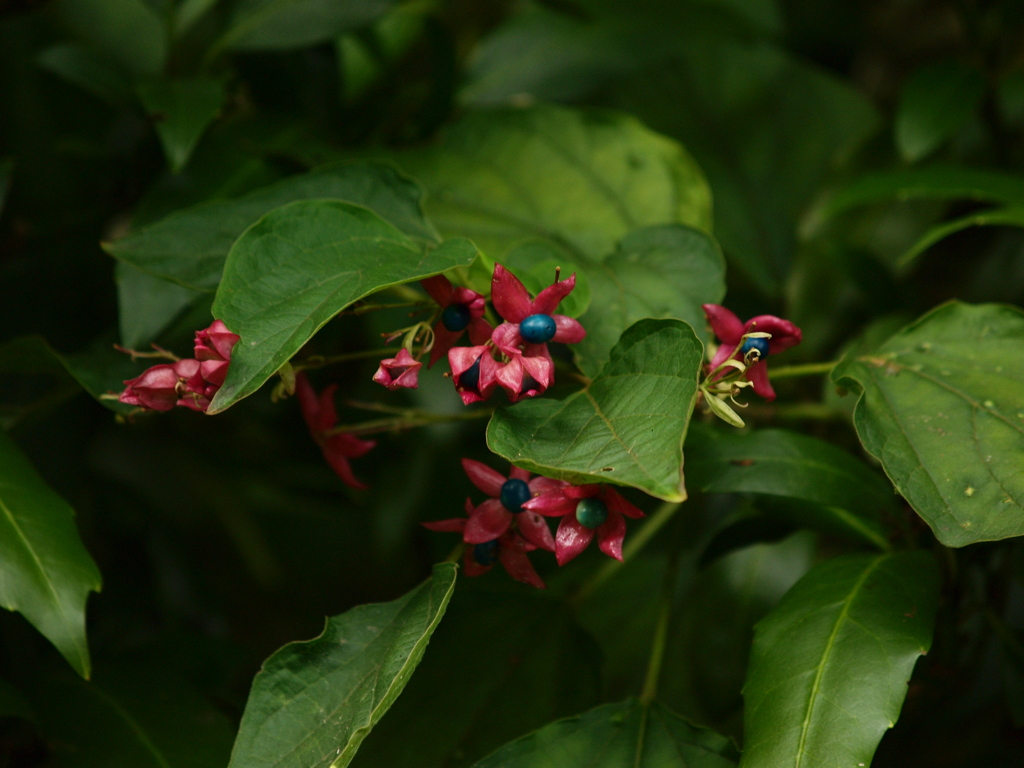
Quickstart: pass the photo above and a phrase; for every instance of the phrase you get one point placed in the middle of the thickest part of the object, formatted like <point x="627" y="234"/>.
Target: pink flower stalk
<point x="496" y="515"/>
<point x="729" y="330"/>
<point x="321" y="417"/>
<point x="474" y="372"/>
<point x="586" y="510"/>
<point x="461" y="309"/>
<point x="509" y="549"/>
<point x="530" y="325"/>
<point x="399" y="371"/>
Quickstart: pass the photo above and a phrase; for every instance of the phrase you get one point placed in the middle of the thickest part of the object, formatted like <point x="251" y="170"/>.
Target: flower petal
<point x="454" y="525"/>
<point x="483" y="477"/>
<point x="440" y="289"/>
<point x="567" y="330"/>
<point x="519" y="474"/>
<point x="480" y="331"/>
<point x="757" y="374"/>
<point x="541" y="369"/>
<point x="724" y="323"/>
<point x="551" y="505"/>
<point x="535" y="530"/>
<point x="618" y="503"/>
<point x="327" y="417"/>
<point x="506" y="338"/>
<point x="342" y="468"/>
<point x="610" y="535"/>
<point x="509" y="296"/>
<point x="583" y="491"/>
<point x="512" y="555"/>
<point x="547" y="301"/>
<point x="443" y="341"/>
<point x="571" y="539"/>
<point x="308" y="401"/>
<point x="784" y="333"/>
<point x="487" y="523"/>
<point x="471" y="566"/>
<point x="541" y="485"/>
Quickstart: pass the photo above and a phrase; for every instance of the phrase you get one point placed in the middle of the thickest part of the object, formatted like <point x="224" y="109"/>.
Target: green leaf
<point x="131" y="715"/>
<point x="938" y="99"/>
<point x="931" y="182"/>
<point x="1012" y="216"/>
<point x="277" y="24"/>
<point x="299" y="266"/>
<point x="314" y="702"/>
<point x="628" y="733"/>
<point x="127" y="31"/>
<point x="942" y="407"/>
<point x="45" y="573"/>
<point x="189" y="247"/>
<point x="181" y="110"/>
<point x="504" y="662"/>
<point x="581" y="180"/>
<point x="780" y="463"/>
<point x="626" y="426"/>
<point x="664" y="271"/>
<point x="829" y="666"/>
<point x="147" y="304"/>
<point x="89" y="71"/>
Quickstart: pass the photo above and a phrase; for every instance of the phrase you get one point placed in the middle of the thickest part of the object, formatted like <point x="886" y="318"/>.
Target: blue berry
<point x="455" y="317"/>
<point x="486" y="554"/>
<point x="537" y="329"/>
<point x="470" y="378"/>
<point x="761" y="345"/>
<point x="514" y="493"/>
<point x="592" y="512"/>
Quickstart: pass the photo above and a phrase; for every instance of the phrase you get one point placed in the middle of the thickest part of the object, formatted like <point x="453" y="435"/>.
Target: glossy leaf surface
<point x="628" y="733"/>
<point x="298" y="267"/>
<point x="830" y="664"/>
<point x="627" y="426"/>
<point x="942" y="407"/>
<point x="46" y="574"/>
<point x="189" y="247"/>
<point x="314" y="702"/>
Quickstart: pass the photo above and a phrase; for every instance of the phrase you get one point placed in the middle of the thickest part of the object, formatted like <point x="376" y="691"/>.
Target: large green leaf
<point x="189" y="247"/>
<point x="46" y="573"/>
<point x="781" y="463"/>
<point x="130" y="715"/>
<point x="579" y="179"/>
<point x="276" y="24"/>
<point x="626" y="426"/>
<point x="181" y="110"/>
<point x="937" y="100"/>
<point x="942" y="407"/>
<point x="314" y="702"/>
<point x="298" y="267"/>
<point x="663" y="271"/>
<point x="629" y="733"/>
<point x="829" y="666"/>
<point x="147" y="304"/>
<point x="504" y="662"/>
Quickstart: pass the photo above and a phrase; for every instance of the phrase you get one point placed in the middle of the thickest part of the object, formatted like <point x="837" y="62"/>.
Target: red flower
<point x="461" y="308"/>
<point x="474" y="372"/>
<point x="529" y="325"/>
<point x="399" y="371"/>
<point x="158" y="387"/>
<point x="522" y="376"/>
<point x="496" y="515"/>
<point x="586" y="510"/>
<point x="213" y="347"/>
<point x="509" y="549"/>
<point x="321" y="417"/>
<point x="730" y="331"/>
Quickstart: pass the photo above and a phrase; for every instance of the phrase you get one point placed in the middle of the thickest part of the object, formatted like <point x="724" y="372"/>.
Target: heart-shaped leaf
<point x="942" y="407"/>
<point x="830" y="664"/>
<point x="298" y="267"/>
<point x="314" y="702"/>
<point x="626" y="426"/>
<point x="45" y="572"/>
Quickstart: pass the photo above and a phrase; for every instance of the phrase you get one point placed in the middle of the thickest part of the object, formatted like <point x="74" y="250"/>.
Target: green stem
<point x="650" y="689"/>
<point x="795" y="411"/>
<point x="456" y="554"/>
<point x="360" y="309"/>
<point x="807" y="369"/>
<point x="320" y="361"/>
<point x="411" y="418"/>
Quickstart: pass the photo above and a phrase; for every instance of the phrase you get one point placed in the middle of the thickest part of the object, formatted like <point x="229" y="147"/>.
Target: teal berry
<point x="470" y="378"/>
<point x="537" y="329"/>
<point x="514" y="493"/>
<point x="486" y="554"/>
<point x="761" y="345"/>
<point x="455" y="317"/>
<point x="592" y="512"/>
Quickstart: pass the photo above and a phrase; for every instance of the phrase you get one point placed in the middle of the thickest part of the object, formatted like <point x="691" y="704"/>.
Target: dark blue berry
<point x="455" y="317"/>
<point x="487" y="553"/>
<point x="514" y="493"/>
<point x="592" y="512"/>
<point x="537" y="329"/>
<point x="761" y="345"/>
<point x="470" y="378"/>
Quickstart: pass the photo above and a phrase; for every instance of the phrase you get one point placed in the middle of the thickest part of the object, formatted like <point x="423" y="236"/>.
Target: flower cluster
<point x="190" y="382"/>
<point x="511" y="522"/>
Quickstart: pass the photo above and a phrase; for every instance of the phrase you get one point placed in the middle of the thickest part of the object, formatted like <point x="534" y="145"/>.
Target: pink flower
<point x="509" y="549"/>
<point x="522" y="376"/>
<point x="461" y="308"/>
<point x="529" y="325"/>
<point x="399" y="371"/>
<point x="586" y="510"/>
<point x="158" y="387"/>
<point x="473" y="372"/>
<point x="729" y="330"/>
<point x="213" y="347"/>
<point x="496" y="515"/>
<point x="321" y="417"/>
